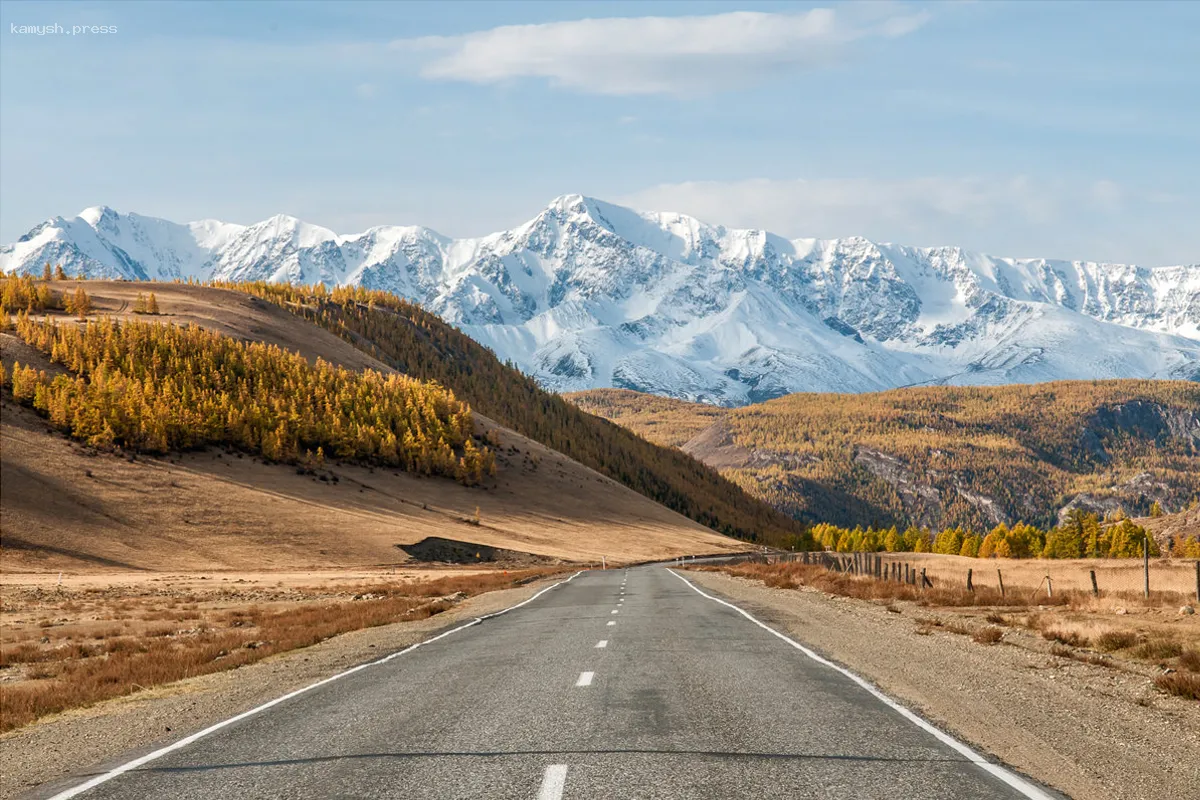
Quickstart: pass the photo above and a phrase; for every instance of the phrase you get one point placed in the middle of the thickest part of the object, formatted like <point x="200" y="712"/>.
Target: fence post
<point x="1198" y="581"/>
<point x="1146" y="564"/>
<point x="1095" y="588"/>
<point x="1000" y="578"/>
<point x="1049" y="587"/>
<point x="970" y="586"/>
<point x="924" y="580"/>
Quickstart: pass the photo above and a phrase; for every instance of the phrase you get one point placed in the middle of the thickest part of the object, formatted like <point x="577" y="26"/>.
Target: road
<point x="616" y="684"/>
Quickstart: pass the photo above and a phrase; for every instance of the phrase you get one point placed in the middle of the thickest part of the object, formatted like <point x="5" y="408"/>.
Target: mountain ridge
<point x="589" y="294"/>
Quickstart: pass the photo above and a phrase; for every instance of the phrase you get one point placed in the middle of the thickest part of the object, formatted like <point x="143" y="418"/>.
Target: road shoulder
<point x="1085" y="730"/>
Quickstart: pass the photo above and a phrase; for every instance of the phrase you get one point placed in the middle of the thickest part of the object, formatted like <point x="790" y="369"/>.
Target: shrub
<point x="1180" y="684"/>
<point x="989" y="635"/>
<point x="1157" y="649"/>
<point x="1115" y="640"/>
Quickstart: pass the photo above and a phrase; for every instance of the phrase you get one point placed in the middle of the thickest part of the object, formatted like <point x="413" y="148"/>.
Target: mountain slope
<point x="942" y="456"/>
<point x="420" y="345"/>
<point x="589" y="294"/>
<point x="66" y="506"/>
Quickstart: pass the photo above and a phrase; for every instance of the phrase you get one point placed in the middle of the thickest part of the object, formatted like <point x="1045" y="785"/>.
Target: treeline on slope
<point x="420" y="344"/>
<point x="1081" y="535"/>
<point x="23" y="293"/>
<point x="156" y="388"/>
<point x="951" y="456"/>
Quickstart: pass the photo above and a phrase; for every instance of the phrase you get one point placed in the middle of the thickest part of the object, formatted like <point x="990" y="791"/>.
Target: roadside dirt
<point x="1090" y="731"/>
<point x="64" y="744"/>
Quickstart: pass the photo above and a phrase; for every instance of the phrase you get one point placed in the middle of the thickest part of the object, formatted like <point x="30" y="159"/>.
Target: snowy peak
<point x="589" y="294"/>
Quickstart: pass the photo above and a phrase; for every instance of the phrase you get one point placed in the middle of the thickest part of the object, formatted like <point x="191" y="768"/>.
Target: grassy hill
<point x="942" y="456"/>
<point x="421" y="345"/>
<point x="68" y="502"/>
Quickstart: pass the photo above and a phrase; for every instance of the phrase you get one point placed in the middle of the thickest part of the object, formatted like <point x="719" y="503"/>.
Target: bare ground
<point x="58" y="746"/>
<point x="1090" y="731"/>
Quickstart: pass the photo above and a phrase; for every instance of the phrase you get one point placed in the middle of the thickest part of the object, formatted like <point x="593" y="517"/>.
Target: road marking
<point x="601" y="643"/>
<point x="585" y="679"/>
<point x="612" y="622"/>
<point x="185" y="741"/>
<point x="1023" y="786"/>
<point x="553" y="781"/>
<point x="614" y="611"/>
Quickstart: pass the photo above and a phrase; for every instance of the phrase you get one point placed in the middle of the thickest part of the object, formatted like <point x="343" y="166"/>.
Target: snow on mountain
<point x="591" y="294"/>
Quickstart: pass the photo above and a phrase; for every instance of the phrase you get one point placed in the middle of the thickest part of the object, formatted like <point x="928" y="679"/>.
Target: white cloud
<point x="1009" y="216"/>
<point x="657" y="55"/>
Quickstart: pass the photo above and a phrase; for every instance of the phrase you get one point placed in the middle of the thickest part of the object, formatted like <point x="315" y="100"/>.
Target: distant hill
<point x="941" y="456"/>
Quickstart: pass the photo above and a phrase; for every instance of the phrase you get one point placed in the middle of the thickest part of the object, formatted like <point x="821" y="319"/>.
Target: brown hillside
<point x="65" y="506"/>
<point x="942" y="456"/>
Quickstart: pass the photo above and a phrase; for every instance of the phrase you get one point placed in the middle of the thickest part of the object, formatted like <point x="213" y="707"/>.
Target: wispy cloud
<point x="660" y="55"/>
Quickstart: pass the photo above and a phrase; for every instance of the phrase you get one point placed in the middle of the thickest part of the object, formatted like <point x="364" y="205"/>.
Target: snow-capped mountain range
<point x="590" y="294"/>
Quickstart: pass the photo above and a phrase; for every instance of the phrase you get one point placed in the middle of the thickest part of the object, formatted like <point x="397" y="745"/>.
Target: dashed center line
<point x="614" y="611"/>
<point x="585" y="679"/>
<point x="612" y="622"/>
<point x="553" y="781"/>
<point x="602" y="643"/>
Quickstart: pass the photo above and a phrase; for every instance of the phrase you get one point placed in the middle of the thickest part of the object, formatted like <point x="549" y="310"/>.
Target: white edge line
<point x="554" y="779"/>
<point x="185" y="741"/>
<point x="1015" y="781"/>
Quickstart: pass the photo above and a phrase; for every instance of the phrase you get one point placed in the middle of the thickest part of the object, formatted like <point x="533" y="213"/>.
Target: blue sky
<point x="1024" y="129"/>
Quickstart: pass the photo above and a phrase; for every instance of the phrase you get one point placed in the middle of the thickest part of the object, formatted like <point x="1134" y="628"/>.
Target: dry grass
<point x="1070" y="620"/>
<point x="1157" y="649"/>
<point x="1110" y="641"/>
<point x="792" y="575"/>
<point x="1081" y="655"/>
<point x="1180" y="683"/>
<point x="1120" y="580"/>
<point x="989" y="635"/>
<point x="1069" y="638"/>
<point x="81" y="661"/>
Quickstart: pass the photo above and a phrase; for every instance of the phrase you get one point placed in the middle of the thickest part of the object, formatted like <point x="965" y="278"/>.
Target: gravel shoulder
<point x="1089" y="731"/>
<point x="107" y="733"/>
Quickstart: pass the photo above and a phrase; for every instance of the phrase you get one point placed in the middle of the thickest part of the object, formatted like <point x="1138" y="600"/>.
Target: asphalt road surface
<point x="617" y="684"/>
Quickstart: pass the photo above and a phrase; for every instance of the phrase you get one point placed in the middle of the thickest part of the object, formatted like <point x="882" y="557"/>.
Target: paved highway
<point x="616" y="684"/>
